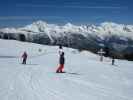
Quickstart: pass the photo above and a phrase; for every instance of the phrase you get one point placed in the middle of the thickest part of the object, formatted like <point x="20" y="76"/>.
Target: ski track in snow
<point x="35" y="86"/>
<point x="105" y="91"/>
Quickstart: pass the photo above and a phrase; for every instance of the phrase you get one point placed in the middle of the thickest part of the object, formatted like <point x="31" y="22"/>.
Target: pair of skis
<point x="68" y="73"/>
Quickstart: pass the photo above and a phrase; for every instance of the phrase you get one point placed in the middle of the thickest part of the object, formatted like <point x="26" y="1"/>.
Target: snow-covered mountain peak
<point x="116" y="29"/>
<point x="69" y="25"/>
<point x="101" y="30"/>
<point x="112" y="26"/>
<point x="40" y="23"/>
<point x="38" y="26"/>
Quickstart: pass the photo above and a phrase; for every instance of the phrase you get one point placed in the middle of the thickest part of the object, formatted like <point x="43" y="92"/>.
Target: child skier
<point x="24" y="57"/>
<point x="61" y="61"/>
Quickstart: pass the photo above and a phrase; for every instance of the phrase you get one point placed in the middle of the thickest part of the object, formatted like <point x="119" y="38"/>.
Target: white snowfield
<point x="86" y="79"/>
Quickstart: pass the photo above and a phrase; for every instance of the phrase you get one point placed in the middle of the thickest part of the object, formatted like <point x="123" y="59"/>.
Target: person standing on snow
<point x="62" y="62"/>
<point x="24" y="57"/>
<point x="113" y="60"/>
<point x="101" y="53"/>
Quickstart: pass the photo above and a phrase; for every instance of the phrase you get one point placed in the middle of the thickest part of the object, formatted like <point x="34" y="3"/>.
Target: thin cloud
<point x="71" y="6"/>
<point x="28" y="17"/>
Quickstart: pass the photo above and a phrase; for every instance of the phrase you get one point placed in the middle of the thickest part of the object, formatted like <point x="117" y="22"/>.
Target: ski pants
<point x="60" y="68"/>
<point x="24" y="61"/>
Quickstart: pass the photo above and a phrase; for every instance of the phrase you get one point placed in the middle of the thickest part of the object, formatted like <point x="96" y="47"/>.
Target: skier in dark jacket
<point x="113" y="60"/>
<point x="62" y="62"/>
<point x="24" y="57"/>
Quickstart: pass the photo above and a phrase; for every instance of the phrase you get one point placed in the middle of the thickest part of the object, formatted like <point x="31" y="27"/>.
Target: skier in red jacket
<point x="24" y="56"/>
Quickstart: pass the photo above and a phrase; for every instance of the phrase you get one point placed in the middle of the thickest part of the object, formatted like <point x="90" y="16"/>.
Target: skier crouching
<point x="61" y="61"/>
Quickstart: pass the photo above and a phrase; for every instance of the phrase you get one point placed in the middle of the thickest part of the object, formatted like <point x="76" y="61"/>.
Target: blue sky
<point x="21" y="12"/>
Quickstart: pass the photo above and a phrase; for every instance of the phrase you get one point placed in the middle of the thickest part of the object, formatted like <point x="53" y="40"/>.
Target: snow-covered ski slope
<point x="86" y="79"/>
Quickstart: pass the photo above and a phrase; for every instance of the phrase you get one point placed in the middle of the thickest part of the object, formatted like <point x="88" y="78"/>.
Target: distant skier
<point x="62" y="62"/>
<point x="40" y="50"/>
<point x="101" y="52"/>
<point x="113" y="60"/>
<point x="60" y="50"/>
<point x="24" y="57"/>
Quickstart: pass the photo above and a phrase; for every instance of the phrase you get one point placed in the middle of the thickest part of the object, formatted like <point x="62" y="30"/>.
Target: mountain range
<point x="116" y="38"/>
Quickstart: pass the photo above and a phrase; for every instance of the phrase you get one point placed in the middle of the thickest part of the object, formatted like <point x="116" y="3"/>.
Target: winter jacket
<point x="62" y="60"/>
<point x="60" y="51"/>
<point x="24" y="56"/>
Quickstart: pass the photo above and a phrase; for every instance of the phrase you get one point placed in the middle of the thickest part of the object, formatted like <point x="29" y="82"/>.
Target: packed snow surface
<point x="86" y="78"/>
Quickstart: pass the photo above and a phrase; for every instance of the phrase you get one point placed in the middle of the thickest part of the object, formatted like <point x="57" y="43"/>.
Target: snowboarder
<point x="113" y="60"/>
<point x="60" y="49"/>
<point x="24" y="57"/>
<point x="101" y="52"/>
<point x="61" y="65"/>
